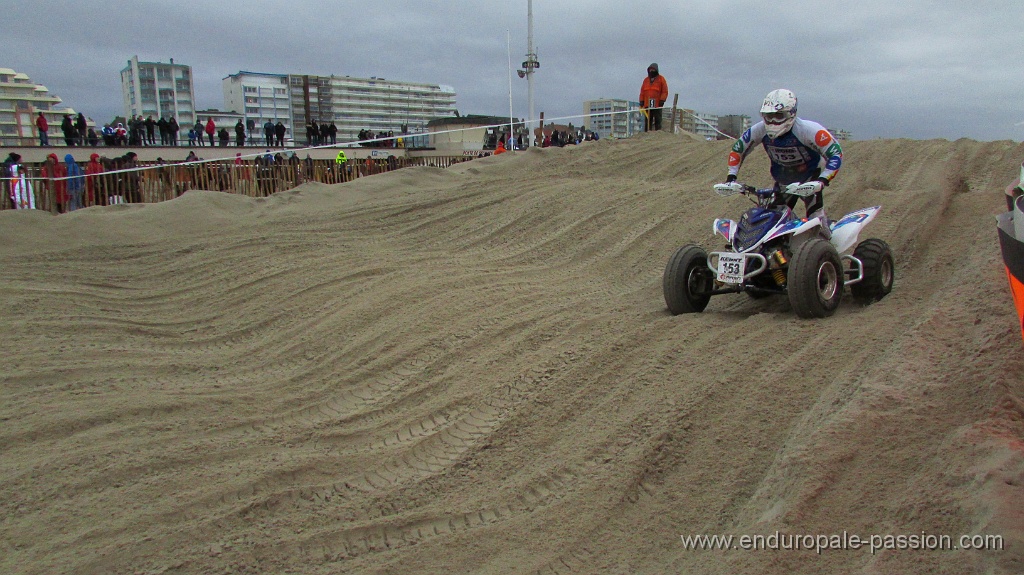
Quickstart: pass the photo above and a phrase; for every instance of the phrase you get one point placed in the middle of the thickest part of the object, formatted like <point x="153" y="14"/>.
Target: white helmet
<point x="778" y="112"/>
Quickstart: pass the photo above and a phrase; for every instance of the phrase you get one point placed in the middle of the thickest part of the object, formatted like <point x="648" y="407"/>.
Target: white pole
<point x="531" y="59"/>
<point x="511" y="119"/>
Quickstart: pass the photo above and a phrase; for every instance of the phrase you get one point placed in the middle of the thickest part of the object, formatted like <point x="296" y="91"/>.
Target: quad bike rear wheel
<point x="815" y="279"/>
<point x="687" y="281"/>
<point x="878" y="271"/>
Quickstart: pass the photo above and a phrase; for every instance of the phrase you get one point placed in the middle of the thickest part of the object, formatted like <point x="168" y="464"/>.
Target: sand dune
<point x="472" y="371"/>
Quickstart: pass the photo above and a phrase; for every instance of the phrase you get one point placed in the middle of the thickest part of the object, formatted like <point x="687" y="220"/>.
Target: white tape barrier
<point x="368" y="141"/>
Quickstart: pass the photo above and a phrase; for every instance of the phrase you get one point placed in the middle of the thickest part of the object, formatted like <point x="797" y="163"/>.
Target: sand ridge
<point x="472" y="370"/>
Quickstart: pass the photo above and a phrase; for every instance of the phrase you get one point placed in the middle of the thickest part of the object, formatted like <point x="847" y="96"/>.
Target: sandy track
<point x="472" y="371"/>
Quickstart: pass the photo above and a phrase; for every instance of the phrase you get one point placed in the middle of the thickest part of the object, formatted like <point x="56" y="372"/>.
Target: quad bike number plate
<point x="731" y="268"/>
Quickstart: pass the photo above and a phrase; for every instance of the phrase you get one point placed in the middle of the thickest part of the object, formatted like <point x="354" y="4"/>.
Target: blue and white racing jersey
<point x="796" y="156"/>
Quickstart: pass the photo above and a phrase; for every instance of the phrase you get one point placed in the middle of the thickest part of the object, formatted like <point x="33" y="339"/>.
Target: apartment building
<point x="159" y="90"/>
<point x="353" y="104"/>
<point x="733" y="124"/>
<point x="613" y="118"/>
<point x="259" y="97"/>
<point x="21" y="100"/>
<point x="841" y="134"/>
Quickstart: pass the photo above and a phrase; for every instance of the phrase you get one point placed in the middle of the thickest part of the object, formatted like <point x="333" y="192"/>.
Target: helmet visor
<point x="776" y="117"/>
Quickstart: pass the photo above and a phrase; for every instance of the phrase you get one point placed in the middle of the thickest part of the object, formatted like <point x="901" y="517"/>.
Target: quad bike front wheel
<point x="687" y="281"/>
<point x="815" y="279"/>
<point x="876" y="258"/>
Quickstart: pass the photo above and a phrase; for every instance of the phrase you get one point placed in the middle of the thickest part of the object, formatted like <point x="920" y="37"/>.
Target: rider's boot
<point x="826" y="224"/>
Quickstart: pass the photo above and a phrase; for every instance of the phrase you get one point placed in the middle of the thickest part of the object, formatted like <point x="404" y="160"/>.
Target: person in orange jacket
<point x="653" y="94"/>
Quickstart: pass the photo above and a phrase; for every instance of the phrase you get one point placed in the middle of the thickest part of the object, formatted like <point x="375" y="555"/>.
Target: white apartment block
<point x="704" y="125"/>
<point x="21" y="100"/>
<point x="613" y="118"/>
<point x="158" y="90"/>
<point x="841" y="134"/>
<point x="259" y="97"/>
<point x="353" y="104"/>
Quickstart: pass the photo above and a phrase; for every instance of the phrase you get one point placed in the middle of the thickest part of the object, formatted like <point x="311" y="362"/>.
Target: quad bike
<point x="771" y="251"/>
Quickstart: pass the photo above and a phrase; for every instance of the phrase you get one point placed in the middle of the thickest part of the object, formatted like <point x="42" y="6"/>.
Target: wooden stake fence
<point x="166" y="181"/>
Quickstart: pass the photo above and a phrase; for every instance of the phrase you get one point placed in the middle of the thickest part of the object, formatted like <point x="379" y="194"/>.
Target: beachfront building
<point x="733" y="125"/>
<point x="21" y="100"/>
<point x="373" y="104"/>
<point x="613" y="118"/>
<point x="259" y="97"/>
<point x="841" y="134"/>
<point x="225" y="120"/>
<point x="701" y="123"/>
<point x="473" y="134"/>
<point x="353" y="104"/>
<point x="158" y="90"/>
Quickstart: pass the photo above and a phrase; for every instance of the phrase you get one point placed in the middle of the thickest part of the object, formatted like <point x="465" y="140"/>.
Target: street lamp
<point x="529" y="66"/>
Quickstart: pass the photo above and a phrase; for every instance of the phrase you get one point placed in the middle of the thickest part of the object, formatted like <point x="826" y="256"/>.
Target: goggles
<point x="776" y="117"/>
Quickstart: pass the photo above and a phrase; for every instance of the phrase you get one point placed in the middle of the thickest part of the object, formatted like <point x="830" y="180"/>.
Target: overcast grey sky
<point x="878" y="68"/>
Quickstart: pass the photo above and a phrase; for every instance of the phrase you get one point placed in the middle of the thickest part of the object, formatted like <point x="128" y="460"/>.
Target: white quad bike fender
<point x="846" y="230"/>
<point x="725" y="228"/>
<point x="799" y="230"/>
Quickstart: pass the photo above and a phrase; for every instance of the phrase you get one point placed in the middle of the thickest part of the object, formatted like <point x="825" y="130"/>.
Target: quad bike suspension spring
<point x="780" y="277"/>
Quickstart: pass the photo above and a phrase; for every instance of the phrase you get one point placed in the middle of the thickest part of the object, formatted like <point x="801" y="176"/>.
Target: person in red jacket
<point x="653" y="94"/>
<point x="43" y="128"/>
<point x="56" y="188"/>
<point x="93" y="197"/>
<point x="211" y="129"/>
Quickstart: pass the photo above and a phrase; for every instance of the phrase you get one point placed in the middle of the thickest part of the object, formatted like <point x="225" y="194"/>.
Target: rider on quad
<point x="800" y="151"/>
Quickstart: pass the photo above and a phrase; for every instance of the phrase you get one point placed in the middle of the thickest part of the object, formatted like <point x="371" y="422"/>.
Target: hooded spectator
<point x="22" y="194"/>
<point x="211" y="129"/>
<point x="74" y="183"/>
<point x="53" y="173"/>
<point x="9" y="164"/>
<point x="93" y="169"/>
<point x="279" y="131"/>
<point x="81" y="127"/>
<point x="67" y="126"/>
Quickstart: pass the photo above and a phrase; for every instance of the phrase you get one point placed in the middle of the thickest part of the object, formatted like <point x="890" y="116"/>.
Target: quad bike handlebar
<point x="799" y="189"/>
<point x="757" y="195"/>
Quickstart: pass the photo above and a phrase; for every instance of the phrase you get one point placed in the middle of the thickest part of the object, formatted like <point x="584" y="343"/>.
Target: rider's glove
<point x="807" y="189"/>
<point x="730" y="178"/>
